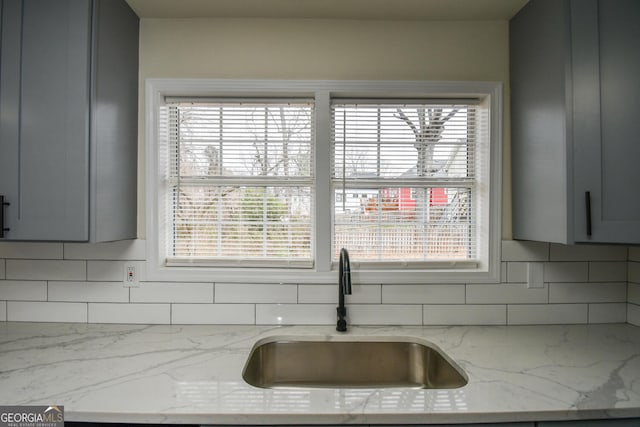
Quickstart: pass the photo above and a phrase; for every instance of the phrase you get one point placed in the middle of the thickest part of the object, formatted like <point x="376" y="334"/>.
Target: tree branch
<point x="450" y="115"/>
<point x="407" y="120"/>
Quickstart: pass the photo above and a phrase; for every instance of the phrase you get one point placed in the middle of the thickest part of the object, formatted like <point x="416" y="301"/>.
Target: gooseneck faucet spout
<point x="344" y="288"/>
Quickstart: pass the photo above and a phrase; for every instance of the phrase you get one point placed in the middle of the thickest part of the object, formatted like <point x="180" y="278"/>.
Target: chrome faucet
<point x="344" y="288"/>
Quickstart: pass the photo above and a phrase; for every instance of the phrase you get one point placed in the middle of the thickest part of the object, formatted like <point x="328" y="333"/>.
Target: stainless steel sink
<point x="355" y="363"/>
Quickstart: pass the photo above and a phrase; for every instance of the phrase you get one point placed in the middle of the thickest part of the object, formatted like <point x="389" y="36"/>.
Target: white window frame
<point x="490" y="95"/>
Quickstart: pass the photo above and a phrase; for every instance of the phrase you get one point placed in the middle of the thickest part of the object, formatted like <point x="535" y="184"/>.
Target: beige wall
<point x="326" y="50"/>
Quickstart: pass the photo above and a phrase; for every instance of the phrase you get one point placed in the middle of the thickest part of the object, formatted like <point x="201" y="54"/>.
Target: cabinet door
<point x="540" y="91"/>
<point x="45" y="136"/>
<point x="606" y="143"/>
<point x="9" y="103"/>
<point x="591" y="423"/>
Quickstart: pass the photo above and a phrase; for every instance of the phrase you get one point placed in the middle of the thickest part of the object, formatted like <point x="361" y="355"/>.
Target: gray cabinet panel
<point x="114" y="130"/>
<point x="539" y="93"/>
<point x="606" y="56"/>
<point x="592" y="423"/>
<point x="574" y="68"/>
<point x="619" y="37"/>
<point x="9" y="103"/>
<point x="585" y="142"/>
<point x="68" y="98"/>
<point x="518" y="424"/>
<point x="54" y="121"/>
<point x="522" y="424"/>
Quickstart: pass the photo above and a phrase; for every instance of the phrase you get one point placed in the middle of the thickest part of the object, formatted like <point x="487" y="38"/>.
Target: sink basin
<point x="354" y="363"/>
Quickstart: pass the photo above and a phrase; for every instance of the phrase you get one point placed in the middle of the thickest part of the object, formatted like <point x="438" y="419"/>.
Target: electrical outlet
<point x="130" y="276"/>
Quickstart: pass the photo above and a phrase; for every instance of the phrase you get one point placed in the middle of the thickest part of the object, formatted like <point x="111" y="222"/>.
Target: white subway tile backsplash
<point x="518" y="250"/>
<point x="113" y="271"/>
<point x="560" y="252"/>
<point x="633" y="293"/>
<point x="23" y="290"/>
<point x="468" y="314"/>
<point x="88" y="291"/>
<point x="319" y="294"/>
<point x="633" y="314"/>
<point x="129" y="313"/>
<point x="608" y="313"/>
<point x="517" y="272"/>
<point x="31" y="250"/>
<point x="566" y="271"/>
<point x="423" y="294"/>
<point x="547" y="314"/>
<point x="108" y="271"/>
<point x="387" y="314"/>
<point x="46" y="270"/>
<point x="608" y="271"/>
<point x="212" y="314"/>
<point x="182" y="292"/>
<point x="508" y="293"/>
<point x="296" y="314"/>
<point x="361" y="294"/>
<point x="256" y="293"/>
<point x="503" y="272"/>
<point x="23" y="311"/>
<point x="633" y="272"/>
<point x="120" y="250"/>
<point x="587" y="292"/>
<point x="583" y="283"/>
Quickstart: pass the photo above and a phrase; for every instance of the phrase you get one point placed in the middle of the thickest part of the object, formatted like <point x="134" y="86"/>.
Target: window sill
<point x="298" y="276"/>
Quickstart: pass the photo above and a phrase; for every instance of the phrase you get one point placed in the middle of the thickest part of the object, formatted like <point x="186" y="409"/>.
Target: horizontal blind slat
<point x="403" y="179"/>
<point x="240" y="181"/>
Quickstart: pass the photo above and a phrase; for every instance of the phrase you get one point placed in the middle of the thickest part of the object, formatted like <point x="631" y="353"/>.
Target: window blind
<point x="239" y="182"/>
<point x="404" y="180"/>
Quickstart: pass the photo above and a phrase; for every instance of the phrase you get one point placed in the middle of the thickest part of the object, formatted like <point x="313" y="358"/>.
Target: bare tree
<point x="198" y="206"/>
<point x="281" y="157"/>
<point x="427" y="132"/>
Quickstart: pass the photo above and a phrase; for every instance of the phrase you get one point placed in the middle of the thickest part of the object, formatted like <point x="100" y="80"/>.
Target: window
<point x="267" y="180"/>
<point x="239" y="182"/>
<point x="417" y="162"/>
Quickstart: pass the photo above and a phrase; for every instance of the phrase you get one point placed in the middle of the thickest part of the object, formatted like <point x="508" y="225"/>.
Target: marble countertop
<point x="192" y="374"/>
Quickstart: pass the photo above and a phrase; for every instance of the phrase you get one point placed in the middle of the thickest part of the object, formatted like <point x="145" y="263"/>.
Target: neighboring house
<point x="393" y="199"/>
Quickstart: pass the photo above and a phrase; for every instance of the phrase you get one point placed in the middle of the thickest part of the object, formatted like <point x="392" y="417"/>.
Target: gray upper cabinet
<point x="68" y="127"/>
<point x="575" y="130"/>
<point x="592" y="423"/>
